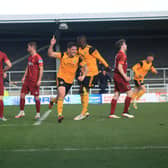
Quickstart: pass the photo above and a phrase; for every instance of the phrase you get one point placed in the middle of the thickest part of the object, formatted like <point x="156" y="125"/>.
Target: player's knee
<point x="116" y="96"/>
<point x="1" y="97"/>
<point x="22" y="95"/>
<point x="37" y="98"/>
<point x="144" y="89"/>
<point x="129" y="93"/>
<point x="61" y="95"/>
<point x="61" y="92"/>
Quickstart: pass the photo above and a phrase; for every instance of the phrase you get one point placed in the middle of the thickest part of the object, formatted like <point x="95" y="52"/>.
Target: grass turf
<point x="94" y="142"/>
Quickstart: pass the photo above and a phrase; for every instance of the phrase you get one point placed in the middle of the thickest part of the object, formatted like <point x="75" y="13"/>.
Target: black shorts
<point x="90" y="81"/>
<point x="138" y="83"/>
<point x="61" y="82"/>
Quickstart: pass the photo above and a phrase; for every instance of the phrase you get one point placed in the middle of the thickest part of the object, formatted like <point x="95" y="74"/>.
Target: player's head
<point x="121" y="45"/>
<point x="104" y="72"/>
<point x="31" y="46"/>
<point x="72" y="49"/>
<point x="82" y="41"/>
<point x="150" y="57"/>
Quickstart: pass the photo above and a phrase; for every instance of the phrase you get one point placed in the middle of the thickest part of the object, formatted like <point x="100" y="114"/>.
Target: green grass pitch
<point x="96" y="142"/>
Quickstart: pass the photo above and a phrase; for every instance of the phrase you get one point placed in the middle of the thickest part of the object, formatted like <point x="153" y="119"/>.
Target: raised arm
<point x="95" y="53"/>
<point x="51" y="52"/>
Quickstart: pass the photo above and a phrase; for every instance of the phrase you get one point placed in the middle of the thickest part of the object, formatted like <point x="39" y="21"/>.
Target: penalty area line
<point x="44" y="116"/>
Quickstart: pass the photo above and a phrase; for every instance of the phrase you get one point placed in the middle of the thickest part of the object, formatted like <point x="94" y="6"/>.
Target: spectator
<point x="104" y="81"/>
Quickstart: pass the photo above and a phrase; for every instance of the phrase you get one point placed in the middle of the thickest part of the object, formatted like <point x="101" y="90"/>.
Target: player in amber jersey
<point x="69" y="63"/>
<point x="3" y="59"/>
<point x="141" y="69"/>
<point x="121" y="80"/>
<point x="90" y="56"/>
<point x="31" y="79"/>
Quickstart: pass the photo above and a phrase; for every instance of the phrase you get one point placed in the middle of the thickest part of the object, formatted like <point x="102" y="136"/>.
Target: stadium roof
<point x="108" y="25"/>
<point x="85" y="17"/>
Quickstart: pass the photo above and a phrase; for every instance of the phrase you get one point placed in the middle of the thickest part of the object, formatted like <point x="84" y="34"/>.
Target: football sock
<point x="60" y="106"/>
<point x="22" y="103"/>
<point x="1" y="108"/>
<point x="85" y="101"/>
<point x="127" y="104"/>
<point x="113" y="106"/>
<point x="81" y="95"/>
<point x="38" y="105"/>
<point x="140" y="94"/>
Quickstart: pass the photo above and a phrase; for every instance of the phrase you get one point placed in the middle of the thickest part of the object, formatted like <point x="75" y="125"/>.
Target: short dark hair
<point x="150" y="54"/>
<point x="71" y="44"/>
<point x="33" y="44"/>
<point x="119" y="43"/>
<point x="81" y="36"/>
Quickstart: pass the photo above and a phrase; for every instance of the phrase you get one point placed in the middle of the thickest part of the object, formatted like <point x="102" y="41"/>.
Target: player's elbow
<point x="50" y="54"/>
<point x="10" y="65"/>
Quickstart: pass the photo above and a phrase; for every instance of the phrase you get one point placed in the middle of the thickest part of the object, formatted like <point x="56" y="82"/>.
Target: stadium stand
<point x="143" y="35"/>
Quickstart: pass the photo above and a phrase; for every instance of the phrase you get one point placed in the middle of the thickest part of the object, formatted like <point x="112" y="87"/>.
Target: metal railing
<point x="154" y="83"/>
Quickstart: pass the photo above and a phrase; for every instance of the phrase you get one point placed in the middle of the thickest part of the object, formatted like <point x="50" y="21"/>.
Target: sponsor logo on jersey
<point x="30" y="63"/>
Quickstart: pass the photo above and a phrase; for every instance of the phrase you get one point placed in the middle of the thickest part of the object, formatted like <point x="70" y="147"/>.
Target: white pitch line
<point x="15" y="125"/>
<point x="44" y="116"/>
<point x="113" y="148"/>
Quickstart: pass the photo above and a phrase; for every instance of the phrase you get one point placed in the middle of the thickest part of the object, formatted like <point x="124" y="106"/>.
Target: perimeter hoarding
<point x="93" y="99"/>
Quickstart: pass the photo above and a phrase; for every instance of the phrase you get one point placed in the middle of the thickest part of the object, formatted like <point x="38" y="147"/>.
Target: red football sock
<point x="127" y="104"/>
<point x="113" y="106"/>
<point x="38" y="105"/>
<point x="22" y="104"/>
<point x="1" y="108"/>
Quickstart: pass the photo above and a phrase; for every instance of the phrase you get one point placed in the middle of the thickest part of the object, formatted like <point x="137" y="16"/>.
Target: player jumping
<point x="121" y="80"/>
<point x="69" y="63"/>
<point x="31" y="79"/>
<point x="3" y="59"/>
<point x="140" y="71"/>
<point x="90" y="55"/>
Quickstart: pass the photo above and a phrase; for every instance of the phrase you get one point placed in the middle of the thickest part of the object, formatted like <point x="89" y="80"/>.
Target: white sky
<point x="79" y="6"/>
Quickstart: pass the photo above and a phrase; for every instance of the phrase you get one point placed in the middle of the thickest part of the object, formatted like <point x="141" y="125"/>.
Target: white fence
<point x="154" y="83"/>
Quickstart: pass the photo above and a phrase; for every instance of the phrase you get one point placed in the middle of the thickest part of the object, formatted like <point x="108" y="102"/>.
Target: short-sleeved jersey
<point x="34" y="62"/>
<point x="142" y="68"/>
<point x="3" y="58"/>
<point x="68" y="67"/>
<point x="121" y="58"/>
<point x="91" y="55"/>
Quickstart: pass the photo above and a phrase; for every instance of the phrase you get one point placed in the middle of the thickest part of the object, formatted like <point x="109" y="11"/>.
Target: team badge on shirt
<point x="40" y="61"/>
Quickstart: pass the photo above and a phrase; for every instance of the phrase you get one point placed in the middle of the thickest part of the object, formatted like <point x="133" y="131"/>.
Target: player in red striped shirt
<point x="32" y="79"/>
<point x="121" y="80"/>
<point x="3" y="59"/>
